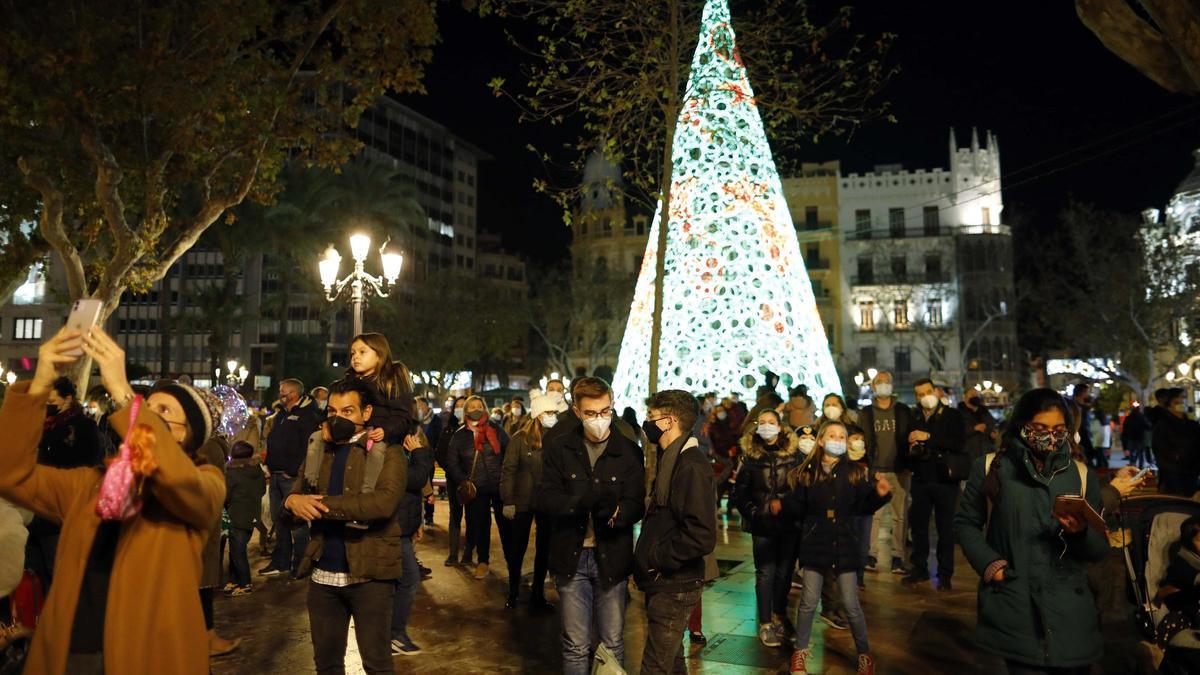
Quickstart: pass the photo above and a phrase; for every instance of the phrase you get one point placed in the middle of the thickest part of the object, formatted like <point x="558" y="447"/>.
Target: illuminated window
<point x="27" y="329"/>
<point x="934" y="310"/>
<point x="866" y="315"/>
<point x="901" y="315"/>
<point x="986" y="216"/>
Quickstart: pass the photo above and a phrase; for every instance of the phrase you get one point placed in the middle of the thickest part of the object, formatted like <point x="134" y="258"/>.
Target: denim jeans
<point x="329" y="612"/>
<point x="406" y="590"/>
<point x="667" y="615"/>
<point x="585" y="600"/>
<point x="864" y="541"/>
<point x="846" y="581"/>
<point x="289" y="544"/>
<point x="774" y="558"/>
<point x="239" y="564"/>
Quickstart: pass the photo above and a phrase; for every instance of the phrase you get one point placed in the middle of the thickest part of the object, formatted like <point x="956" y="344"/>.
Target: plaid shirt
<point x="335" y="579"/>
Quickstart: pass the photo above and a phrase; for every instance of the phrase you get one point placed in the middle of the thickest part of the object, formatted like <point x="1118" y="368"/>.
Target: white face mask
<point x="597" y="428"/>
<point x="929" y="401"/>
<point x="496" y="417"/>
<point x="807" y="445"/>
<point x="722" y="415"/>
<point x="516" y="412"/>
<point x="883" y="389"/>
<point x="835" y="448"/>
<point x="833" y="412"/>
<point x="768" y="432"/>
<point x="858" y="449"/>
<point x="548" y="420"/>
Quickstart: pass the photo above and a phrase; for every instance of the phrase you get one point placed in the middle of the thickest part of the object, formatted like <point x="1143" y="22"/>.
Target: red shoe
<point x="866" y="664"/>
<point x="799" y="656"/>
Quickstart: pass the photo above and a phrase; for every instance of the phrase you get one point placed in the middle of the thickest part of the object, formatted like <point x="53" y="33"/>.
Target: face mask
<point x="807" y="445"/>
<point x="321" y="405"/>
<point x="548" y="421"/>
<point x="883" y="389"/>
<point x="858" y="449"/>
<point x="768" y="432"/>
<point x="51" y="410"/>
<point x="496" y="417"/>
<point x="597" y="428"/>
<point x="653" y="433"/>
<point x="1043" y="442"/>
<point x="341" y="430"/>
<point x="929" y="401"/>
<point x="458" y="414"/>
<point x="722" y="415"/>
<point x="833" y="412"/>
<point x="975" y="401"/>
<point x="475" y="415"/>
<point x="835" y="448"/>
<point x="516" y="412"/>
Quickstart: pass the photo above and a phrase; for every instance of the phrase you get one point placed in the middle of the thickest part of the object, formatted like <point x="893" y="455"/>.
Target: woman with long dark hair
<point x="1035" y="607"/>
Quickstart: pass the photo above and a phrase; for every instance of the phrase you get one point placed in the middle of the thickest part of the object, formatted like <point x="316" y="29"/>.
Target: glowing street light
<point x="359" y="280"/>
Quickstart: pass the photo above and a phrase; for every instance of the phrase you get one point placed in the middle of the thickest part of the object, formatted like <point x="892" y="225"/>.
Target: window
<point x="812" y="256"/>
<point x="901" y="315"/>
<point x="932" y="221"/>
<point x="933" y="268"/>
<point x="986" y="216"/>
<point x="896" y="222"/>
<point x="934" y="313"/>
<point x="899" y="268"/>
<point x="867" y="357"/>
<point x="641" y="226"/>
<point x="810" y="218"/>
<point x="866" y="271"/>
<point x="862" y="223"/>
<point x="937" y="357"/>
<point x="903" y="356"/>
<point x="866" y="315"/>
<point x="27" y="329"/>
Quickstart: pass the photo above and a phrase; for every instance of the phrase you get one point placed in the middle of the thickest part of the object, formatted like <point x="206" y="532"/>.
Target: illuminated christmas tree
<point x="737" y="302"/>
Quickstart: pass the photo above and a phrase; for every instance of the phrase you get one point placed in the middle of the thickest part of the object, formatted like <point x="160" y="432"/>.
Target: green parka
<point x="1043" y="613"/>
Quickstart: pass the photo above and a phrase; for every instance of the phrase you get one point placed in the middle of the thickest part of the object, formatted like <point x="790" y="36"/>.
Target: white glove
<point x="510" y="512"/>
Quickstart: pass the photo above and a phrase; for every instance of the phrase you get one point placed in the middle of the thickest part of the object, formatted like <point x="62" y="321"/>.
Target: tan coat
<point x="153" y="611"/>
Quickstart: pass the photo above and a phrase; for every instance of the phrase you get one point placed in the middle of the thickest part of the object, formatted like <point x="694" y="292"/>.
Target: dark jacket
<point x="441" y="449"/>
<point x="946" y="437"/>
<point x="373" y="553"/>
<point x="288" y="440"/>
<point x="904" y="417"/>
<point x="1177" y="443"/>
<point x="433" y="431"/>
<point x="572" y="491"/>
<point x="521" y="474"/>
<point x="722" y="437"/>
<point x="393" y="415"/>
<point x="677" y="536"/>
<point x="1043" y="613"/>
<point x="420" y="470"/>
<point x="763" y="477"/>
<point x="569" y="424"/>
<point x="461" y="453"/>
<point x="70" y="440"/>
<point x="1135" y="429"/>
<point x="244" y="489"/>
<point x="977" y="443"/>
<point x="827" y="512"/>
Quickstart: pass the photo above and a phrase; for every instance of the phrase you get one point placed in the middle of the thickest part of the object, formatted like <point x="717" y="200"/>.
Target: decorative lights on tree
<point x="737" y="302"/>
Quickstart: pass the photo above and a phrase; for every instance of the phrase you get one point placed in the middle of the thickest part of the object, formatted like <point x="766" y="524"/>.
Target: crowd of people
<point x="829" y="491"/>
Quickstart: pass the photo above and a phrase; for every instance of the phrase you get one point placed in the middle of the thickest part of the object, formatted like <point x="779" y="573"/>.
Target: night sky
<point x="1060" y="103"/>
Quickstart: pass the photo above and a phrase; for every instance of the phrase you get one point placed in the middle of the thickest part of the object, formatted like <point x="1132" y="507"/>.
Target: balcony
<point x="895" y="233"/>
<point x="814" y="226"/>
<point x="816" y="263"/>
<point x="909" y="279"/>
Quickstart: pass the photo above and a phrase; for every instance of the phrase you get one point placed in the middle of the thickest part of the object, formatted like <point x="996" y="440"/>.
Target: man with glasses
<point x="592" y="481"/>
<point x="680" y="529"/>
<point x="286" y="445"/>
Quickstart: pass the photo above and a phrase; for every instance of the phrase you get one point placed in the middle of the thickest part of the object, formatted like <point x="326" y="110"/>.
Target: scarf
<point x="666" y="468"/>
<point x="486" y="433"/>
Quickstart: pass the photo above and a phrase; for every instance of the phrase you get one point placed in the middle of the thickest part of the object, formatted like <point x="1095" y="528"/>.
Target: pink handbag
<point x="118" y="499"/>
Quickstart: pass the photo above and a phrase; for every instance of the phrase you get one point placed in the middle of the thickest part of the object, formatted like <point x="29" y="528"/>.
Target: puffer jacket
<point x="1042" y="613"/>
<point x="521" y="474"/>
<point x="763" y="477"/>
<point x="461" y="453"/>
<point x="373" y="553"/>
<point x="827" y="512"/>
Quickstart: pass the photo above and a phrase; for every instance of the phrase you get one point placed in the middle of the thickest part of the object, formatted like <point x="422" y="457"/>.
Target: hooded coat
<point x="763" y="477"/>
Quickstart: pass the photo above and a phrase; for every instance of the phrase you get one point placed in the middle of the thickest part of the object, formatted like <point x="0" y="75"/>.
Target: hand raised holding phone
<point x="62" y="349"/>
<point x="111" y="359"/>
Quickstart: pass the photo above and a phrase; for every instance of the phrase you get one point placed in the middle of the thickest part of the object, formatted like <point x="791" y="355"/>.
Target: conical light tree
<point x="736" y="299"/>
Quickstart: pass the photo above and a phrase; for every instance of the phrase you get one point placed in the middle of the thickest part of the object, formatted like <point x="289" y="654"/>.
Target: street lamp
<point x="11" y="377"/>
<point x="359" y="281"/>
<point x="235" y="375"/>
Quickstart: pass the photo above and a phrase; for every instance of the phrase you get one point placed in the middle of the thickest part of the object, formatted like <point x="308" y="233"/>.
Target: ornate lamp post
<point x="235" y="375"/>
<point x="359" y="281"/>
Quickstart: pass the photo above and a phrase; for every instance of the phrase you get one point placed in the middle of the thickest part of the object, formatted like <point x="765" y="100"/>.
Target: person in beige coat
<point x="124" y="598"/>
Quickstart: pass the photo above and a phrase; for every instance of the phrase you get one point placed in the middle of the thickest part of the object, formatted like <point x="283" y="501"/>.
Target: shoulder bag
<point x="467" y="489"/>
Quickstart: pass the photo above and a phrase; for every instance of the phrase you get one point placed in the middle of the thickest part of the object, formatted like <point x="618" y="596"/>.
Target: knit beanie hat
<point x="542" y="404"/>
<point x="201" y="409"/>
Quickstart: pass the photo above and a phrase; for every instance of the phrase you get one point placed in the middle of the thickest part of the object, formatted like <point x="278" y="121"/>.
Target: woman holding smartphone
<point x="137" y="575"/>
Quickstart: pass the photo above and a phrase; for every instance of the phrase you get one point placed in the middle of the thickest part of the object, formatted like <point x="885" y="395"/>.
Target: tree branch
<point x="50" y="224"/>
<point x="1136" y="42"/>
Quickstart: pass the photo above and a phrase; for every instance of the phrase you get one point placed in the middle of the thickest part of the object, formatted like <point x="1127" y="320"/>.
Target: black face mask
<point x="475" y="415"/>
<point x="653" y="433"/>
<point x="975" y="402"/>
<point x="51" y="410"/>
<point x="341" y="430"/>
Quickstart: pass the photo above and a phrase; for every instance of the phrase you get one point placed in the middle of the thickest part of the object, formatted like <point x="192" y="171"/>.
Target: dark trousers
<point x="289" y="544"/>
<point x="479" y="526"/>
<point x="430" y="502"/>
<point x="455" y="524"/>
<point x="666" y="617"/>
<point x="41" y="548"/>
<point x="406" y="590"/>
<point x="938" y="499"/>
<point x="239" y="562"/>
<point x="774" y="560"/>
<point x="329" y="612"/>
<point x="520" y="544"/>
<point x="206" y="606"/>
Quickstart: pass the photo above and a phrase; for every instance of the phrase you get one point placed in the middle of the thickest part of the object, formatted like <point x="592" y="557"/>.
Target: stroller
<point x="1150" y="524"/>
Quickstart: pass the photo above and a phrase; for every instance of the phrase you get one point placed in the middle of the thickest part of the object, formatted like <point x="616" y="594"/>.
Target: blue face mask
<point x="835" y="448"/>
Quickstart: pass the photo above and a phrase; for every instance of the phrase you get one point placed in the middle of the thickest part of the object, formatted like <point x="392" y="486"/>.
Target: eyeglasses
<point x="594" y="415"/>
<point x="1037" y="428"/>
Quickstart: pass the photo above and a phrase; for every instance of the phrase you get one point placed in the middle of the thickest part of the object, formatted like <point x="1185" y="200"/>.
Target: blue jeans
<point x="847" y="584"/>
<point x="406" y="590"/>
<point x="864" y="541"/>
<point x="289" y="544"/>
<point x="584" y="600"/>
<point x="239" y="564"/>
<point x="774" y="558"/>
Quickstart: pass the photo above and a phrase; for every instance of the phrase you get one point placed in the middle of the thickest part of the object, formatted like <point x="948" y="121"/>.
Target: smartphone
<point x="84" y="315"/>
<point x="1138" y="476"/>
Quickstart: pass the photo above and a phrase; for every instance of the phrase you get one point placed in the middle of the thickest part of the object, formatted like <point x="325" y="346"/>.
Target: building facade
<point x="812" y="198"/>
